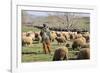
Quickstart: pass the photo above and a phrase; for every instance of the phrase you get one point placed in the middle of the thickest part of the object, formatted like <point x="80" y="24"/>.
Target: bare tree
<point x="69" y="19"/>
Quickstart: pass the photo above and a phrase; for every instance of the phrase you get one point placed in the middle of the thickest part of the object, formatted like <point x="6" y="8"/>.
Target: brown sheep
<point x="58" y="34"/>
<point x="79" y="42"/>
<point x="29" y="33"/>
<point x="72" y="35"/>
<point x="84" y="54"/>
<point x="61" y="54"/>
<point x="32" y="35"/>
<point x="86" y="35"/>
<point x="37" y="36"/>
<point x="78" y="36"/>
<point x="27" y="40"/>
<point x="52" y="36"/>
<point x="86" y="45"/>
<point x="24" y="33"/>
<point x="66" y="35"/>
<point x="61" y="40"/>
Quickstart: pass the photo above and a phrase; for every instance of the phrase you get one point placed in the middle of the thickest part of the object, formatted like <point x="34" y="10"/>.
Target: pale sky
<point x="41" y="13"/>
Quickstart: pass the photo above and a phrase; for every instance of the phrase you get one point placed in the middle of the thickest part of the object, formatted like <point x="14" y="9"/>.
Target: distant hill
<point x="56" y="21"/>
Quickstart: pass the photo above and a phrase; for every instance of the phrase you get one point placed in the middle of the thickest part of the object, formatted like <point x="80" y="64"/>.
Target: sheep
<point x="84" y="54"/>
<point x="37" y="36"/>
<point x="61" y="54"/>
<point x="58" y="34"/>
<point x="78" y="36"/>
<point x="27" y="40"/>
<point x="75" y="33"/>
<point x="86" y="35"/>
<point x="32" y="35"/>
<point x="72" y="35"/>
<point x="60" y="40"/>
<point x="52" y="36"/>
<point x="86" y="45"/>
<point x="66" y="35"/>
<point x="24" y="33"/>
<point x="79" y="42"/>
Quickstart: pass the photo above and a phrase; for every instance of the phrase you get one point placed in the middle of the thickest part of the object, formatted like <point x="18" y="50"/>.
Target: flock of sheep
<point x="80" y="41"/>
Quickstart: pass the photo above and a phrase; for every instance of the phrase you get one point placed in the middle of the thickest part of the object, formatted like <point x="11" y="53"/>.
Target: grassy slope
<point x="35" y="52"/>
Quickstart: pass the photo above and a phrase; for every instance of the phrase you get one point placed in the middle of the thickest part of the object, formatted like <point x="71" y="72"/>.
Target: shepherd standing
<point x="45" y="34"/>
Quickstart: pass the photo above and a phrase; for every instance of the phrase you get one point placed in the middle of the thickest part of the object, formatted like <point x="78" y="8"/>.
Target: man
<point x="45" y="34"/>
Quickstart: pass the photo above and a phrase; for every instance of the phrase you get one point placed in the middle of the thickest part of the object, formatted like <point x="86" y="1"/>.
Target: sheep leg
<point x="65" y="58"/>
<point x="54" y="58"/>
<point x="58" y="43"/>
<point x="30" y="44"/>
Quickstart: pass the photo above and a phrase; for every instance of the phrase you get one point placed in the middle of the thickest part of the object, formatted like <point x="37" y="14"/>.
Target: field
<point x="56" y="21"/>
<point x="35" y="53"/>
